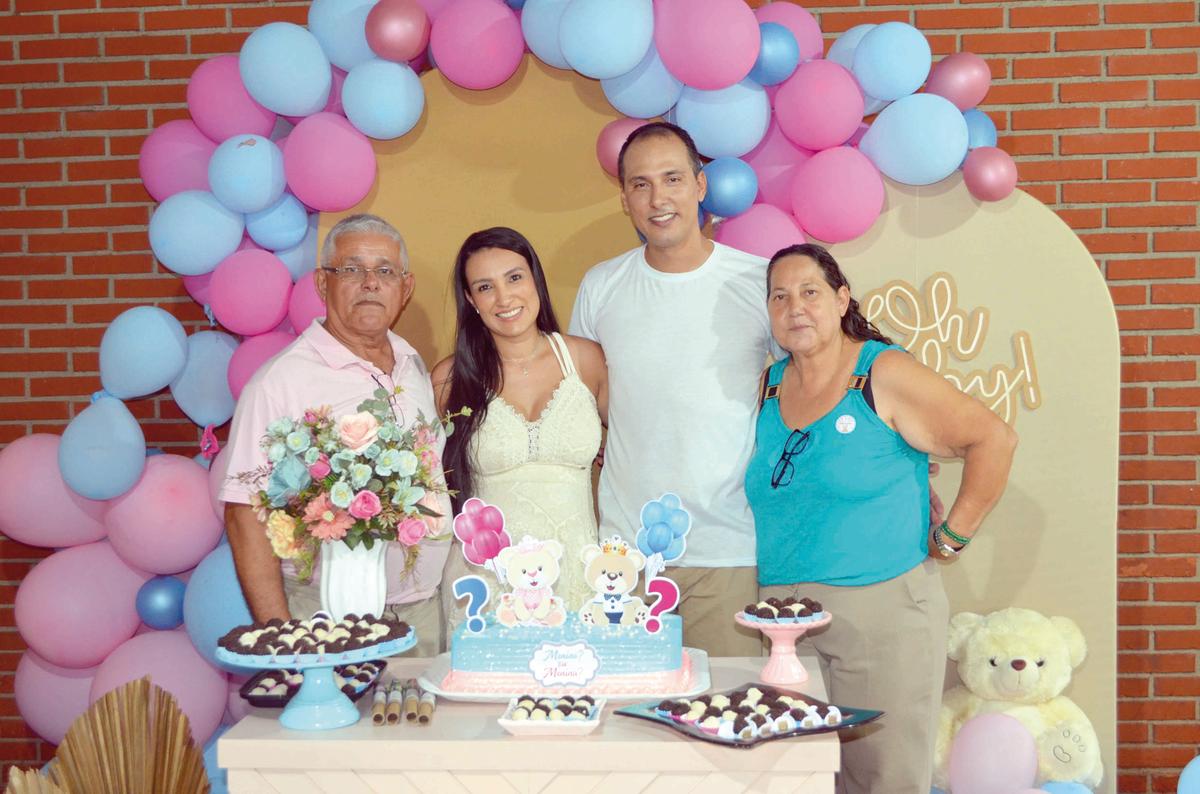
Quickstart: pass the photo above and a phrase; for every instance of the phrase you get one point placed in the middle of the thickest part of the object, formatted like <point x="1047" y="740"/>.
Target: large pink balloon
<point x="78" y="604"/>
<point x="217" y="471"/>
<point x="992" y="754"/>
<point x="477" y="43"/>
<point x="802" y="24"/>
<point x="964" y="78"/>
<point x="761" y="230"/>
<point x="174" y="158"/>
<point x="837" y="194"/>
<point x="710" y="49"/>
<point x="36" y="506"/>
<point x="173" y="664"/>
<point x="990" y="174"/>
<point x="250" y="291"/>
<point x="165" y="523"/>
<point x="251" y="354"/>
<point x="398" y="30"/>
<point x="50" y="697"/>
<point x="612" y="138"/>
<point x="305" y="305"/>
<point x="775" y="161"/>
<point x="220" y="105"/>
<point x="330" y="165"/>
<point x="820" y="105"/>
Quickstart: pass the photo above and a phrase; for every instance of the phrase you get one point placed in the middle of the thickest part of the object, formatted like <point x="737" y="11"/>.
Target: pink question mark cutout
<point x="668" y="598"/>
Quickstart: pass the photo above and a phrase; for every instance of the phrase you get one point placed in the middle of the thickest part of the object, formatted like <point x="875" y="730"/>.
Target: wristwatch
<point x="940" y="539"/>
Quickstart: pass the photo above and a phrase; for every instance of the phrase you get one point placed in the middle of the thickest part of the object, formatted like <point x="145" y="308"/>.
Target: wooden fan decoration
<point x="30" y="781"/>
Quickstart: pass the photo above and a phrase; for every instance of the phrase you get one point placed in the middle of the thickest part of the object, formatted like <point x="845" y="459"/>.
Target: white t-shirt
<point x="685" y="352"/>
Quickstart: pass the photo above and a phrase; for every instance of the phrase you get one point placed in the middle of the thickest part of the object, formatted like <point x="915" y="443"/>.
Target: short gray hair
<point x="362" y="223"/>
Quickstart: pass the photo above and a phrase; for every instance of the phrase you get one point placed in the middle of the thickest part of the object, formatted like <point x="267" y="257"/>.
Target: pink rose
<point x="320" y="469"/>
<point x="430" y="460"/>
<point x="410" y="531"/>
<point x="358" y="431"/>
<point x="365" y="505"/>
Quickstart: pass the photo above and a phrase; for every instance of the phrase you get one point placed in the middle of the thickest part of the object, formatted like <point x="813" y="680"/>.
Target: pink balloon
<point x="434" y="8"/>
<point x="964" y="78"/>
<point x="330" y="165"/>
<point x="858" y="134"/>
<point x="837" y="194"/>
<point x="802" y="24"/>
<point x="483" y="547"/>
<point x="477" y="43"/>
<point x="217" y="471"/>
<point x="708" y="50"/>
<point x="50" y="697"/>
<point x="334" y="105"/>
<point x="490" y="519"/>
<point x="398" y="30"/>
<point x="285" y="325"/>
<point x="173" y="664"/>
<point x="250" y="291"/>
<point x="78" y="604"/>
<point x="775" y="161"/>
<point x="236" y="707"/>
<point x="761" y="230"/>
<point x="248" y="244"/>
<point x="305" y="305"/>
<point x="990" y="174"/>
<point x="174" y="158"/>
<point x="220" y="105"/>
<point x="36" y="506"/>
<point x="612" y="138"/>
<point x="251" y="354"/>
<point x="992" y="754"/>
<point x="820" y="105"/>
<point x="199" y="287"/>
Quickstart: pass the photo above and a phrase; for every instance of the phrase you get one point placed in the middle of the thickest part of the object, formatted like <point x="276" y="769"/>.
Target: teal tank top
<point x="855" y="510"/>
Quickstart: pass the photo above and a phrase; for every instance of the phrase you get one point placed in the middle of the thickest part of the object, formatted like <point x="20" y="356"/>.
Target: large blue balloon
<point x="285" y="70"/>
<point x="728" y="122"/>
<point x="142" y="350"/>
<point x="191" y="232"/>
<point x="340" y="27"/>
<point x="658" y="537"/>
<point x="653" y="513"/>
<point x="892" y="60"/>
<point x="160" y="602"/>
<point x="245" y="173"/>
<point x="281" y="225"/>
<point x="539" y="25"/>
<point x="103" y="450"/>
<point x="383" y="99"/>
<point x="218" y="778"/>
<point x="676" y="549"/>
<point x="646" y="91"/>
<point x="917" y="140"/>
<point x="302" y="258"/>
<point x="842" y="50"/>
<point x="981" y="130"/>
<point x="777" y="57"/>
<point x="1065" y="787"/>
<point x="606" y="38"/>
<point x="213" y="604"/>
<point x="732" y="186"/>
<point x="202" y="388"/>
<point x="1189" y="779"/>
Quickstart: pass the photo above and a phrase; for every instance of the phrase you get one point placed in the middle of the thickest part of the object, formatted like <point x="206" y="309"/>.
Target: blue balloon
<point x="981" y="130"/>
<point x="160" y="602"/>
<point x="302" y="259"/>
<point x="1063" y="787"/>
<point x="142" y="350"/>
<point x="218" y="778"/>
<point x="653" y="513"/>
<point x="658" y="537"/>
<point x="103" y="450"/>
<point x="213" y="604"/>
<point x="728" y="122"/>
<point x="202" y="389"/>
<point x="203" y="461"/>
<point x="917" y="140"/>
<point x="281" y="225"/>
<point x="643" y="542"/>
<point x="675" y="550"/>
<point x="515" y="5"/>
<point x="383" y="99"/>
<point x="245" y="173"/>
<point x="680" y="522"/>
<point x="191" y="232"/>
<point x="777" y="57"/>
<point x="340" y="27"/>
<point x="670" y="501"/>
<point x="732" y="186"/>
<point x="892" y="60"/>
<point x="539" y="25"/>
<point x="841" y="51"/>
<point x="285" y="70"/>
<point x="606" y="38"/>
<point x="646" y="91"/>
<point x="1189" y="779"/>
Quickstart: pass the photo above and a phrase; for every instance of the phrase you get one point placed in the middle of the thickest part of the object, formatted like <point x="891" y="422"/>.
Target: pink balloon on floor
<point x="612" y="138"/>
<point x="477" y="43"/>
<point x="251" y="354"/>
<point x="775" y="161"/>
<point x="801" y="23"/>
<point x="820" y="105"/>
<point x="761" y="230"/>
<point x="708" y="50"/>
<point x="220" y="105"/>
<point x="174" y="158"/>
<point x="250" y="291"/>
<point x="171" y="662"/>
<point x="217" y="471"/>
<point x="990" y="174"/>
<point x="305" y="305"/>
<point x="99" y="614"/>
<point x="330" y="165"/>
<point x="962" y="77"/>
<point x="50" y="697"/>
<point x="837" y="195"/>
<point x="992" y="754"/>
<point x="36" y="506"/>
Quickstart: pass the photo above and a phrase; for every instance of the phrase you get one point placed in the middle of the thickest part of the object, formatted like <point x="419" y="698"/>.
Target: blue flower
<point x="387" y="462"/>
<point x="289" y="477"/>
<point x="372" y="452"/>
<point x="312" y="455"/>
<point x="406" y="463"/>
<point x="277" y="452"/>
<point x="407" y="495"/>
<point x="342" y="461"/>
<point x="389" y="432"/>
<point x="298" y="440"/>
<point x="341" y="494"/>
<point x="280" y="427"/>
<point x="360" y="473"/>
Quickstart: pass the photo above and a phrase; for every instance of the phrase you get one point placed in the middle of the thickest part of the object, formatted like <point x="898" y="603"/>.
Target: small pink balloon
<point x="858" y="134"/>
<point x="218" y="470"/>
<point x="330" y="166"/>
<point x="990" y="173"/>
<point x="775" y="161"/>
<point x="992" y="754"/>
<point x="171" y="662"/>
<point x="837" y="195"/>
<point x="101" y="612"/>
<point x="802" y="24"/>
<point x="710" y="50"/>
<point x="334" y="105"/>
<point x="174" y="158"/>
<point x="36" y="506"/>
<point x="820" y="105"/>
<point x="761" y="230"/>
<point x="50" y="697"/>
<point x="490" y="519"/>
<point x="477" y="43"/>
<point x="305" y="305"/>
<point x="251" y="354"/>
<point x="250" y="292"/>
<point x="398" y="30"/>
<point x="612" y="138"/>
<point x="964" y="78"/>
<point x="220" y="105"/>
<point x="483" y="547"/>
<point x="199" y="287"/>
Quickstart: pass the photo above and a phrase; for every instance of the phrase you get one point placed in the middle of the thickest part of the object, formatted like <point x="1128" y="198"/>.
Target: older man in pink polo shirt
<point x="338" y="361"/>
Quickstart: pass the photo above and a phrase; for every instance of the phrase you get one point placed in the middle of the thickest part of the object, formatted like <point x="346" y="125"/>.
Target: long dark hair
<point x="475" y="374"/>
<point x="854" y="324"/>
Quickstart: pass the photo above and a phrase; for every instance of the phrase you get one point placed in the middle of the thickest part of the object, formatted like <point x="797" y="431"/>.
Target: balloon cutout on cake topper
<point x="480" y="528"/>
<point x="663" y="535"/>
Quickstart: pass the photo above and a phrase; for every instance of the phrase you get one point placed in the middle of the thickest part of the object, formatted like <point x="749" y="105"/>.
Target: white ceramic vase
<point x="353" y="580"/>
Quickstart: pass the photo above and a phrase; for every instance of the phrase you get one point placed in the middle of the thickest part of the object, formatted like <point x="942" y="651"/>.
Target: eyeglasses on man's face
<point x="356" y="274"/>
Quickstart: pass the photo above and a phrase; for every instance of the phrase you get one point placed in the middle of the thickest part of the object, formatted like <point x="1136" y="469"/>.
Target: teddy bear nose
<point x="1018" y="664"/>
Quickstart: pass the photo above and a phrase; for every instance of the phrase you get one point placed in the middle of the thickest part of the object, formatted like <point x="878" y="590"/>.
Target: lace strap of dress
<point x="559" y="346"/>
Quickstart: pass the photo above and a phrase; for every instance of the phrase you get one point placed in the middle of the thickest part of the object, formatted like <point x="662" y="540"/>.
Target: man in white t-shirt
<point x="684" y="327"/>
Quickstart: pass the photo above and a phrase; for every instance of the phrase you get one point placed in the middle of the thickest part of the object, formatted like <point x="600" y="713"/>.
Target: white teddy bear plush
<point x="1018" y="662"/>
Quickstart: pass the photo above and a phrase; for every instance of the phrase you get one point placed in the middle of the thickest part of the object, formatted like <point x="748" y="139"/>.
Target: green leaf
<point x="351" y="540"/>
<point x="375" y="486"/>
<point x="380" y="394"/>
<point x="425" y="511"/>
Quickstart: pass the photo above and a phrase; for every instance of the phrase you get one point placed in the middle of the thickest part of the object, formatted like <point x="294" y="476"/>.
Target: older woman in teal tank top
<point x="839" y="486"/>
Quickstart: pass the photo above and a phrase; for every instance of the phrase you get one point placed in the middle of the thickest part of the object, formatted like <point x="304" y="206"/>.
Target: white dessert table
<point x="464" y="751"/>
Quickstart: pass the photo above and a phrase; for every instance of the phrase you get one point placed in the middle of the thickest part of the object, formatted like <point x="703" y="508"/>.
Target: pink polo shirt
<point x="318" y="370"/>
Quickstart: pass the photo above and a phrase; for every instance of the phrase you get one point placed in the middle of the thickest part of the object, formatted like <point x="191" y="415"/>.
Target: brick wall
<point x="1096" y="100"/>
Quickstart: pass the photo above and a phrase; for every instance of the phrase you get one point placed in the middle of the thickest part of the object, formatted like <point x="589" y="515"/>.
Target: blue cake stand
<point x="319" y="705"/>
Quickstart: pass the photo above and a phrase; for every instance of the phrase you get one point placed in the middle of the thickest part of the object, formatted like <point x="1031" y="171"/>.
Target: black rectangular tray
<point x="279" y="701"/>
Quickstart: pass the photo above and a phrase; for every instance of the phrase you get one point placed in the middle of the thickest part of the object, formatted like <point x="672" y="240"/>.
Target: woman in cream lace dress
<point x="538" y="399"/>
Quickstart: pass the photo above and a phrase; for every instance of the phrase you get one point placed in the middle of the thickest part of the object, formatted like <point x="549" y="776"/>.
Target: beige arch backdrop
<point x="1001" y="298"/>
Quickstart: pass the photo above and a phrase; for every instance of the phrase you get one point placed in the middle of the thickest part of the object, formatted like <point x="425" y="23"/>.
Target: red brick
<point x="1054" y="16"/>
<point x="1122" y="243"/>
<point x="1132" y="733"/>
<point x="1152" y="168"/>
<point x="160" y="116"/>
<point x="1055" y="119"/>
<point x="1154" y="63"/>
<point x="1177" y="398"/>
<point x="165" y="287"/>
<point x="1081" y="218"/>
<point x="253" y="17"/>
<point x="58" y="48"/>
<point x="1176" y="89"/>
<point x="106" y="120"/>
<point x="1126" y="295"/>
<point x="1132" y="544"/>
<point x="1106" y="91"/>
<point x="72" y="146"/>
<point x="98" y="21"/>
<point x="1135" y="345"/>
<point x="1104" y="143"/>
<point x="1177" y="494"/>
<point x="983" y="43"/>
<point x="31" y="122"/>
<point x="1134" y="371"/>
<point x="1058" y="170"/>
<point x="1134" y="444"/>
<point x="1176" y="293"/>
<point x="1027" y="144"/>
<point x="1063" y="66"/>
<point x="1047" y="194"/>
<point x="1132" y="591"/>
<point x="102" y="170"/>
<point x="1102" y="40"/>
<point x="171" y="69"/>
<point x="188" y="20"/>
<point x="27" y="24"/>
<point x="62" y="387"/>
<point x="1177" y="733"/>
<point x="106" y="71"/>
<point x="33" y="362"/>
<point x="1133" y="687"/>
<point x="113" y="263"/>
<point x="1149" y="12"/>
<point x="1162" y="215"/>
<point x="1179" y="591"/>
<point x="1177" y="241"/>
<point x="1020" y="94"/>
<point x="217" y="43"/>
<point x="1181" y="345"/>
<point x="62" y="243"/>
<point x="108" y="217"/>
<point x="1177" y="445"/>
<point x="1175" y="37"/>
<point x="1133" y="494"/>
<point x="1155" y="518"/>
<point x="146" y="45"/>
<point x="1104" y="192"/>
<point x="1159" y="116"/>
<point x="1156" y="469"/>
<point x="951" y="18"/>
<point x="1139" y="421"/>
<point x="1177" y="543"/>
<point x="42" y="219"/>
<point x="62" y="195"/>
<point x="23" y="73"/>
<point x="1161" y="567"/>
<point x="1142" y="662"/>
<point x="130" y="194"/>
<point x="1168" y="141"/>
<point x="1177" y="191"/>
<point x="1172" y="686"/>
<point x="159" y="94"/>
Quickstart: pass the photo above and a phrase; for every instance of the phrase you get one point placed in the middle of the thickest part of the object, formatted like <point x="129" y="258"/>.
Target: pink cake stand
<point x="784" y="667"/>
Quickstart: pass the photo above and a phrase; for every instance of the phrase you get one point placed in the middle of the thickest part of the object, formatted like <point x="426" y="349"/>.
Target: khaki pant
<point x="886" y="650"/>
<point x="708" y="600"/>
<point x="424" y="616"/>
